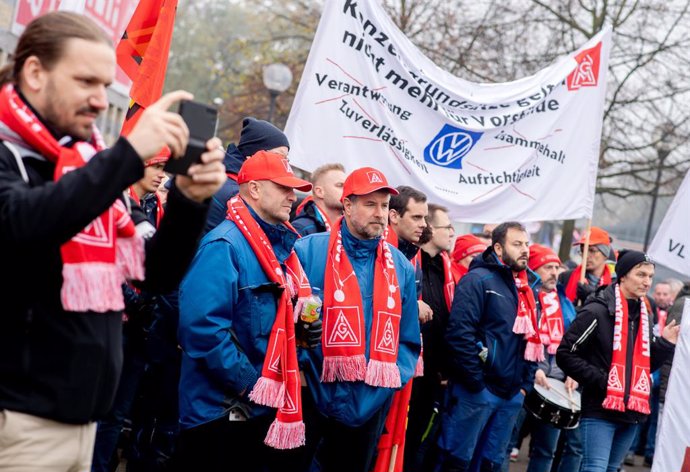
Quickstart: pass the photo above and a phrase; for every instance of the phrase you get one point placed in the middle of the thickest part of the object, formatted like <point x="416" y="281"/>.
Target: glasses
<point x="448" y="227"/>
<point x="592" y="250"/>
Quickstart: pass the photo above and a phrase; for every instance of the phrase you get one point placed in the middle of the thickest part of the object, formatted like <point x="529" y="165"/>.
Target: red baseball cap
<point x="541" y="255"/>
<point x="467" y="245"/>
<point x="265" y="165"/>
<point x="364" y="181"/>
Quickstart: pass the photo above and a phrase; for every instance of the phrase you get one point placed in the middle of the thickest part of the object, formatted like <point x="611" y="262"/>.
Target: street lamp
<point x="277" y="79"/>
<point x="663" y="149"/>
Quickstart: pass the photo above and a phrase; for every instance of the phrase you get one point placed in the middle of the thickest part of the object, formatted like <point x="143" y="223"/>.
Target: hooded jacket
<point x="308" y="221"/>
<point x="483" y="313"/>
<point x="353" y="403"/>
<point x="587" y="348"/>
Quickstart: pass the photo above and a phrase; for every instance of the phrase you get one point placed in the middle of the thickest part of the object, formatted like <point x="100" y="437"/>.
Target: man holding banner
<point x="611" y="351"/>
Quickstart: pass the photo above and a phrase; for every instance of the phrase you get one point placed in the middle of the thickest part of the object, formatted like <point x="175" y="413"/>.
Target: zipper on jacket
<point x="590" y="329"/>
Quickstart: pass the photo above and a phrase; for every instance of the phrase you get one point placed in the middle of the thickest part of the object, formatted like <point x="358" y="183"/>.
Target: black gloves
<point x="308" y="334"/>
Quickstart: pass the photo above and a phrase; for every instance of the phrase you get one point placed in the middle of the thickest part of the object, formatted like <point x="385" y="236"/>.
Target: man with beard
<point x="493" y="342"/>
<point x="371" y="337"/>
<point x="317" y="212"/>
<point x="556" y="314"/>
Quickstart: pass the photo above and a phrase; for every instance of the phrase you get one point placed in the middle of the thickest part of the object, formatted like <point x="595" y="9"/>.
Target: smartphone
<point x="202" y="121"/>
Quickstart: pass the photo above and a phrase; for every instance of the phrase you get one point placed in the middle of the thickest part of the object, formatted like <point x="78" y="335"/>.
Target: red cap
<point x="597" y="236"/>
<point x="540" y="255"/>
<point x="467" y="245"/>
<point x="265" y="165"/>
<point x="364" y="181"/>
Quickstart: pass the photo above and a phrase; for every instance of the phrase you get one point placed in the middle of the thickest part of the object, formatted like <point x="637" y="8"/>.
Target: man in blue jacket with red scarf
<point x="492" y="340"/>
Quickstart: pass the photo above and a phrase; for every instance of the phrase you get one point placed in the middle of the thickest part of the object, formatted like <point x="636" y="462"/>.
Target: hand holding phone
<point x="202" y="121"/>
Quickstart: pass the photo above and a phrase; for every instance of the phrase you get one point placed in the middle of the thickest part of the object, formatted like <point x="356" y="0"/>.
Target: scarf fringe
<point x="639" y="405"/>
<point x="552" y="348"/>
<point x="523" y="325"/>
<point x="614" y="403"/>
<point x="130" y="257"/>
<point x="534" y="351"/>
<point x="341" y="368"/>
<point x="383" y="374"/>
<point x="419" y="368"/>
<point x="92" y="286"/>
<point x="283" y="435"/>
<point x="268" y="392"/>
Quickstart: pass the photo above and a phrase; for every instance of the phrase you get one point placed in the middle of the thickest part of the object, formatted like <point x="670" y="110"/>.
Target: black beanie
<point x="260" y="135"/>
<point x="627" y="259"/>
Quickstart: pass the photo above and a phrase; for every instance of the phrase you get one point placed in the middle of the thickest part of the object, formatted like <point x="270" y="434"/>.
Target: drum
<point x="554" y="405"/>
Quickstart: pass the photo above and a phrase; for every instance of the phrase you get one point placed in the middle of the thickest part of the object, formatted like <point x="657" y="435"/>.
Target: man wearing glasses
<point x="597" y="272"/>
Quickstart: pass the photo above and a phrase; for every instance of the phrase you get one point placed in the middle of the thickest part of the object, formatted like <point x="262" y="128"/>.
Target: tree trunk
<point x="566" y="240"/>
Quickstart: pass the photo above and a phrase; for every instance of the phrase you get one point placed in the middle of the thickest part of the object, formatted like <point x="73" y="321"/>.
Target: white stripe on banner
<point x="526" y="150"/>
<point x="672" y="451"/>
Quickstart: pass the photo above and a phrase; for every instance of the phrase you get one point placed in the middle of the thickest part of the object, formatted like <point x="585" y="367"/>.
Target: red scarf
<point x="344" y="340"/>
<point x="459" y="271"/>
<point x="322" y="214"/>
<point x="391" y="238"/>
<point x="107" y="252"/>
<point x="638" y="399"/>
<point x="279" y="384"/>
<point x="571" y="287"/>
<point x="526" y="319"/>
<point x="551" y="325"/>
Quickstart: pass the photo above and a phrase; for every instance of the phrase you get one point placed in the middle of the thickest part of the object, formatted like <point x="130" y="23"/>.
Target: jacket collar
<point x="357" y="248"/>
<point x="408" y="249"/>
<point x="233" y="159"/>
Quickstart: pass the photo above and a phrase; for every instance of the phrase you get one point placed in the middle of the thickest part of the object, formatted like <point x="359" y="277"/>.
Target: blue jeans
<point x="543" y="448"/>
<point x="476" y="429"/>
<point x="605" y="444"/>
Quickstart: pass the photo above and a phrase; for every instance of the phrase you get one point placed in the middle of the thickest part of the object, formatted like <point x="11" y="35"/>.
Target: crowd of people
<point x="210" y="321"/>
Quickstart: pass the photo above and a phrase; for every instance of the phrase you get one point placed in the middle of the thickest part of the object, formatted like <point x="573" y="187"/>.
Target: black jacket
<point x="219" y="203"/>
<point x="482" y="315"/>
<point x="309" y="221"/>
<point x="674" y="313"/>
<point x="586" y="350"/>
<point x="63" y="365"/>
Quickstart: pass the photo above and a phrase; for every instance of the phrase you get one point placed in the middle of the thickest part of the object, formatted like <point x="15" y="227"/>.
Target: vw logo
<point x="449" y="146"/>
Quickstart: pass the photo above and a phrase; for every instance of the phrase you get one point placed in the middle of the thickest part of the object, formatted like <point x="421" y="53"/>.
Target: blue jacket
<point x="483" y="314"/>
<point x="226" y="295"/>
<point x="309" y="221"/>
<point x="353" y="403"/>
<point x="219" y="203"/>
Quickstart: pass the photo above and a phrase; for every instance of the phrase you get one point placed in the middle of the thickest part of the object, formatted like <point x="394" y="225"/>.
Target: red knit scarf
<point x="279" y="384"/>
<point x="526" y="319"/>
<point x="571" y="287"/>
<point x="391" y="238"/>
<point x="640" y="387"/>
<point x="459" y="271"/>
<point x="344" y="340"/>
<point x="551" y="325"/>
<point x="107" y="252"/>
<point x="324" y="217"/>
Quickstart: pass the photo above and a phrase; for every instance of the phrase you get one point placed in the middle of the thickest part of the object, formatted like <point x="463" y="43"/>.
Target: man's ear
<point x="393" y="217"/>
<point x="33" y="74"/>
<point x="318" y="192"/>
<point x="254" y="190"/>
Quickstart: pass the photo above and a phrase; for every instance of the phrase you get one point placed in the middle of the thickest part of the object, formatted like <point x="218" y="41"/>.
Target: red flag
<point x="391" y="447"/>
<point x="143" y="54"/>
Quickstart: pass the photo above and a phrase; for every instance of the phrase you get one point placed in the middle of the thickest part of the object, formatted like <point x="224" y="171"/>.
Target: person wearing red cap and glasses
<point x="467" y="247"/>
<point x="610" y="349"/>
<point x="240" y="395"/>
<point x="597" y="272"/>
<point x="556" y="315"/>
<point x="371" y="339"/>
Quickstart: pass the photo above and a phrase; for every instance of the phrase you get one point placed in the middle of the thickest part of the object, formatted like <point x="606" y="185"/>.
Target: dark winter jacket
<point x="309" y="221"/>
<point x="586" y="350"/>
<point x="63" y="365"/>
<point x="674" y="313"/>
<point x="219" y="203"/>
<point x="483" y="313"/>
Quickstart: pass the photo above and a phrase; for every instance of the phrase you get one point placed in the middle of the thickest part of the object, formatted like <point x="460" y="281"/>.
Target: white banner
<point x="672" y="451"/>
<point x="671" y="243"/>
<point x="526" y="150"/>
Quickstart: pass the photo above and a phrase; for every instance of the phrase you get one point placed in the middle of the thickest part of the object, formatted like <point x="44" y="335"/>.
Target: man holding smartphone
<point x="69" y="242"/>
